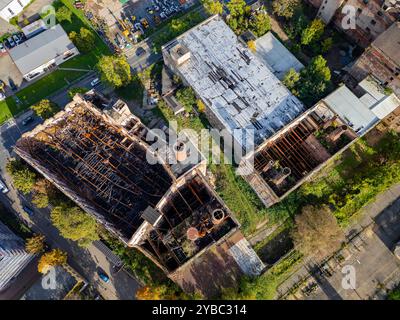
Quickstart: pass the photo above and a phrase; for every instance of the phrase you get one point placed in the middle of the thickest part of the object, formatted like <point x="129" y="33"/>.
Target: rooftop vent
<point x="179" y="54"/>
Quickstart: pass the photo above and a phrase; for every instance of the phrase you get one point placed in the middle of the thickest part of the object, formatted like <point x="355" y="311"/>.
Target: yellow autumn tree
<point x="201" y="106"/>
<point x="252" y="45"/>
<point x="55" y="257"/>
<point x="35" y="244"/>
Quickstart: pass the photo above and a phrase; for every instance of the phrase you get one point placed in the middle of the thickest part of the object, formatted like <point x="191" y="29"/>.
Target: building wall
<point x="371" y="18"/>
<point x="373" y="62"/>
<point x="13" y="256"/>
<point x="13" y="9"/>
<point x="56" y="61"/>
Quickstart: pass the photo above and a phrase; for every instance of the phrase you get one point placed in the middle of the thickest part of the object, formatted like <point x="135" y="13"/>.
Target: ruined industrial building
<point x="96" y="153"/>
<point x="282" y="163"/>
<point x="239" y="89"/>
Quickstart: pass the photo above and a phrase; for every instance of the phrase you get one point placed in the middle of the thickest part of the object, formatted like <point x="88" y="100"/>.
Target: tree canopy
<point x="236" y="7"/>
<point x="260" y="23"/>
<point x="74" y="224"/>
<point x="285" y="8"/>
<point x="35" y="244"/>
<point x="45" y="108"/>
<point x="313" y="32"/>
<point x="213" y="6"/>
<point x="317" y="233"/>
<point x="55" y="257"/>
<point x="84" y="40"/>
<point x="115" y="70"/>
<point x="64" y="14"/>
<point x="23" y="177"/>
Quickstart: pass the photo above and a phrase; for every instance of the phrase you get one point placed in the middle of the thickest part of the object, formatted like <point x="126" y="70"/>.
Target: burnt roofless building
<point x="95" y="152"/>
<point x="283" y="162"/>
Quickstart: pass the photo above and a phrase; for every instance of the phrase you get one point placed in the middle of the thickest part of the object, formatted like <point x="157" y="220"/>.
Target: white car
<point x="95" y="82"/>
<point x="3" y="187"/>
<point x="396" y="250"/>
<point x="2" y="96"/>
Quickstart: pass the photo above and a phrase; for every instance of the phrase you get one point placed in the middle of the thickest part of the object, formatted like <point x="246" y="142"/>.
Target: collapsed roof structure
<point x="283" y="162"/>
<point x="96" y="152"/>
<point x="240" y="91"/>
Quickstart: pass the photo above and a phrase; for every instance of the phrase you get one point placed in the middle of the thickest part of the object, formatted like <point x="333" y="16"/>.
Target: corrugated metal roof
<point x="41" y="49"/>
<point x="351" y="109"/>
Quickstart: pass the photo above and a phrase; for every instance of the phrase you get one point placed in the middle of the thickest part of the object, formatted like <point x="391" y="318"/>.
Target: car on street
<point x="3" y="187"/>
<point x="11" y="42"/>
<point x="12" y="85"/>
<point x="27" y="120"/>
<point x="140" y="51"/>
<point x="103" y="276"/>
<point x="28" y="210"/>
<point x="17" y="39"/>
<point x="95" y="82"/>
<point x="2" y="49"/>
<point x="396" y="250"/>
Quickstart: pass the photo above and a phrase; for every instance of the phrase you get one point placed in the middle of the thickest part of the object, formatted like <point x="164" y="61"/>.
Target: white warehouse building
<point x="11" y="8"/>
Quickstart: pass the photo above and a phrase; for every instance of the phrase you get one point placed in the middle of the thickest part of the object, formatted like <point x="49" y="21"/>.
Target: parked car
<point x="17" y="39"/>
<point x="27" y="120"/>
<point x="103" y="276"/>
<point x="28" y="210"/>
<point x="396" y="250"/>
<point x="2" y="49"/>
<point x="12" y="85"/>
<point x="140" y="51"/>
<point x="2" y="96"/>
<point x="3" y="187"/>
<point x="95" y="82"/>
<point x="11" y="42"/>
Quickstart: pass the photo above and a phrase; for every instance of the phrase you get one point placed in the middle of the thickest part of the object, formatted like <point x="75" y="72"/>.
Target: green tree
<point x="115" y="70"/>
<point x="285" y="8"/>
<point x="84" y="40"/>
<point x="64" y="14"/>
<point x="72" y="92"/>
<point x="213" y="6"/>
<point x="260" y="23"/>
<point x="55" y="257"/>
<point x="291" y="79"/>
<point x="314" y="80"/>
<point x="313" y="32"/>
<point x="45" y="108"/>
<point x="75" y="224"/>
<point x="187" y="98"/>
<point x="236" y="7"/>
<point x="317" y="233"/>
<point x="326" y="45"/>
<point x="23" y="177"/>
<point x="35" y="244"/>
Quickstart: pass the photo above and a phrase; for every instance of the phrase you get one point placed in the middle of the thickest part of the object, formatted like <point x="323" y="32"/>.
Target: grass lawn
<point x="58" y="79"/>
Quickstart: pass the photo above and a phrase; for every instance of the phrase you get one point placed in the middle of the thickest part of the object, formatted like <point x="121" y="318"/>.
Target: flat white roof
<point x="362" y="113"/>
<point x="235" y="84"/>
<point x="275" y="55"/>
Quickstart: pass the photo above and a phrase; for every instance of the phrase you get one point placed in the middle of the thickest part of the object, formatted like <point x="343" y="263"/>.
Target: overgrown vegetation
<point x="265" y="286"/>
<point x="241" y="18"/>
<point x="351" y="180"/>
<point x="45" y="108"/>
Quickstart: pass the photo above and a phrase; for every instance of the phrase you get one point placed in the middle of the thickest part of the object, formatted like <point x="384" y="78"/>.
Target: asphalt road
<point x="86" y="261"/>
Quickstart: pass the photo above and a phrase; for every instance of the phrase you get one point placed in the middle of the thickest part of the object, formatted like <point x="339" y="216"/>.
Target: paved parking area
<point x="9" y="72"/>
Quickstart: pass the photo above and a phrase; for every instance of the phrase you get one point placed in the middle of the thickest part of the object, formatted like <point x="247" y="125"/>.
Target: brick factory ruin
<point x="95" y="152"/>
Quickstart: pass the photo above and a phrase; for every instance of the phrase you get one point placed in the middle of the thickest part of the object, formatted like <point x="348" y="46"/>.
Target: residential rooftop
<point x="239" y="89"/>
<point x="41" y="49"/>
